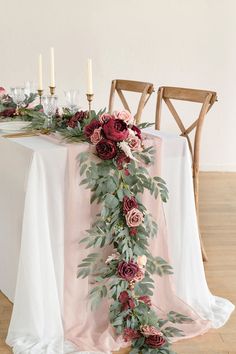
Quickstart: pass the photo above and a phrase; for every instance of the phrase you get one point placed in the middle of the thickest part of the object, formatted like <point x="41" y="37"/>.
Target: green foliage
<point x="157" y="265"/>
<point x="175" y="317"/>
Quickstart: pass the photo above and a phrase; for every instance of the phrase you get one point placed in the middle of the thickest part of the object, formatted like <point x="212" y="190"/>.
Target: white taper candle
<point x="40" y="87"/>
<point x="52" y="82"/>
<point x="90" y="77"/>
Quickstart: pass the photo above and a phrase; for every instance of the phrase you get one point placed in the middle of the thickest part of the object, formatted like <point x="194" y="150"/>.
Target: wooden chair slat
<point x="207" y="99"/>
<point x="145" y="88"/>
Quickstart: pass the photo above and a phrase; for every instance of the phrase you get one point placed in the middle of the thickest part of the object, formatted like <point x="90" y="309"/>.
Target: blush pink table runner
<point x="91" y="331"/>
<point x="51" y="313"/>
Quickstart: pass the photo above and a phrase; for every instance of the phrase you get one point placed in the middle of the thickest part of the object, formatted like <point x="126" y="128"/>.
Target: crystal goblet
<point x="71" y="97"/>
<point x="18" y="96"/>
<point x="49" y="107"/>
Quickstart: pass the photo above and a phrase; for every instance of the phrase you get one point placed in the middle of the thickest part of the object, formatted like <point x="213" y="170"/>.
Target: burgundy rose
<point x="133" y="231"/>
<point x="89" y="128"/>
<point x="121" y="160"/>
<point x="146" y="299"/>
<point x="129" y="204"/>
<point x="126" y="301"/>
<point x="155" y="341"/>
<point x="80" y="116"/>
<point x="9" y="112"/>
<point x="106" y="149"/>
<point x="115" y="129"/>
<point x="129" y="334"/>
<point x="128" y="270"/>
<point x="137" y="131"/>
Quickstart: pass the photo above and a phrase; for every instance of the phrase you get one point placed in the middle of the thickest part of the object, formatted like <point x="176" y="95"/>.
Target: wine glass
<point x="30" y="87"/>
<point x="71" y="97"/>
<point x="49" y="107"/>
<point x="18" y="96"/>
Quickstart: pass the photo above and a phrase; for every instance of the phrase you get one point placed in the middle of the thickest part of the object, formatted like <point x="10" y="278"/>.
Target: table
<point x="37" y="186"/>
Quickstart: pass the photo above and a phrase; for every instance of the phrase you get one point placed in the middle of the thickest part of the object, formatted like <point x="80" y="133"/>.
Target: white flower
<point x="142" y="260"/>
<point x="112" y="257"/>
<point x="127" y="150"/>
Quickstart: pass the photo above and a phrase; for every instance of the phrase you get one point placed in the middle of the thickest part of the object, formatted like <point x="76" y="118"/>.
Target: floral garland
<point x="116" y="181"/>
<point x="27" y="112"/>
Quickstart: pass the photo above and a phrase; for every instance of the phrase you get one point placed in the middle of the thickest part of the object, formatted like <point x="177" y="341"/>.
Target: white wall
<point x="189" y="43"/>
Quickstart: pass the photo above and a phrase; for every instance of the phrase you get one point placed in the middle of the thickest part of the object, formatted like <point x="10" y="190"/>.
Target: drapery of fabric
<point x="56" y="210"/>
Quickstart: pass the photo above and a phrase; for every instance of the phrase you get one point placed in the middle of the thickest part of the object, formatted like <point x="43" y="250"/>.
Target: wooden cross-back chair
<point x="145" y="88"/>
<point x="206" y="99"/>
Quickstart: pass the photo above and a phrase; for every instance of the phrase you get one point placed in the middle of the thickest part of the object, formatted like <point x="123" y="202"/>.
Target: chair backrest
<point x="145" y="88"/>
<point x="206" y="99"/>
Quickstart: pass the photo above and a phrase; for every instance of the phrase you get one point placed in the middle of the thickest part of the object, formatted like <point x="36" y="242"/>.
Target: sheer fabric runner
<point x="39" y="321"/>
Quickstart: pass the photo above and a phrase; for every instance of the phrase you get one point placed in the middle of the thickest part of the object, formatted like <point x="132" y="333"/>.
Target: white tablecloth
<point x="32" y="186"/>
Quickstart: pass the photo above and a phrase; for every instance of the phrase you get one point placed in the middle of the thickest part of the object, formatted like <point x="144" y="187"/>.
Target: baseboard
<point x="218" y="168"/>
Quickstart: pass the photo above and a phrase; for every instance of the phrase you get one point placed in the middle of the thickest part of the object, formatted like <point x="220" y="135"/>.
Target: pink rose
<point x="142" y="260"/>
<point x="134" y="218"/>
<point x="125" y="115"/>
<point x="139" y="275"/>
<point x="2" y="91"/>
<point x="105" y="117"/>
<point x="135" y="143"/>
<point x="96" y="136"/>
<point x="150" y="331"/>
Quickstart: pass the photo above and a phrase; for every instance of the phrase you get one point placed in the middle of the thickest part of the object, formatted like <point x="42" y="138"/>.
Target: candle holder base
<point x="90" y="99"/>
<point x="52" y="90"/>
<point x="40" y="93"/>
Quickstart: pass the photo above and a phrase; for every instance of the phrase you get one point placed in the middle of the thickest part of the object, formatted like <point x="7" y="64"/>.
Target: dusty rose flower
<point x="146" y="299"/>
<point x="127" y="270"/>
<point x="133" y="231"/>
<point x="150" y="331"/>
<point x="106" y="149"/>
<point x="125" y="115"/>
<point x="96" y="136"/>
<point x="135" y="144"/>
<point x="139" y="275"/>
<point x="134" y="218"/>
<point x="105" y="117"/>
<point x="126" y="301"/>
<point x="89" y="128"/>
<point x="2" y="91"/>
<point x="115" y="130"/>
<point x="137" y="131"/>
<point x="129" y="334"/>
<point x="122" y="160"/>
<point x="142" y="260"/>
<point x="155" y="341"/>
<point x="129" y="204"/>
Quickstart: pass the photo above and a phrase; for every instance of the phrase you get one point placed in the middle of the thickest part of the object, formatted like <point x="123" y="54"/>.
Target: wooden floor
<point x="218" y="227"/>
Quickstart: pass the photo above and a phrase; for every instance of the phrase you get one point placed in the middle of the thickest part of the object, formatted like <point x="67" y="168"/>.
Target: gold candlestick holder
<point x="52" y="90"/>
<point x="90" y="98"/>
<point x="40" y="93"/>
